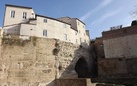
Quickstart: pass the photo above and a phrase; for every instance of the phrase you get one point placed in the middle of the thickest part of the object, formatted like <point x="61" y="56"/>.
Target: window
<point x="45" y="20"/>
<point x="24" y="15"/>
<point x="64" y="25"/>
<point x="75" y="32"/>
<point x="12" y="14"/>
<point x="80" y="40"/>
<point x="79" y="31"/>
<point x="76" y="41"/>
<point x="44" y="32"/>
<point x="65" y="36"/>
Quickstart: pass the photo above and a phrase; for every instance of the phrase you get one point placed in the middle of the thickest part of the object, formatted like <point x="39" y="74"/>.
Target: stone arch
<point x="81" y="68"/>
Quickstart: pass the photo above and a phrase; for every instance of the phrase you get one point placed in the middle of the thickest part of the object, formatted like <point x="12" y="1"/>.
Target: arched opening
<point x="82" y="68"/>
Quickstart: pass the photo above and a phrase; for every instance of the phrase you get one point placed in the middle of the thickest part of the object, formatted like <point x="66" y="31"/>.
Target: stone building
<point x="121" y="42"/>
<point x="97" y="47"/>
<point x="23" y="21"/>
<point x="119" y="45"/>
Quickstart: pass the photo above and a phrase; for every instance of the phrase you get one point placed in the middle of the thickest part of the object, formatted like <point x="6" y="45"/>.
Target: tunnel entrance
<point x="82" y="68"/>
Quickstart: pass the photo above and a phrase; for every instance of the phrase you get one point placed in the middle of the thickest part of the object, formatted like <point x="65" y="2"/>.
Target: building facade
<point x="23" y="21"/>
<point x="120" y="43"/>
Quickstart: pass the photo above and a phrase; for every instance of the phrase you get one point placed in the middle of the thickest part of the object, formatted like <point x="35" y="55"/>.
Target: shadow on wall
<point x="82" y="64"/>
<point x="82" y="68"/>
<point x="98" y="47"/>
<point x="12" y="29"/>
<point x="53" y="83"/>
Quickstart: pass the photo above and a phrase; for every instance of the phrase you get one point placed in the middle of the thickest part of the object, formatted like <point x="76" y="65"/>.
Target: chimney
<point x="134" y="22"/>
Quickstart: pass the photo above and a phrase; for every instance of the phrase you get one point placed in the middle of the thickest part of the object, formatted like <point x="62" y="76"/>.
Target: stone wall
<point x="38" y="62"/>
<point x="117" y="71"/>
<point x="117" y="67"/>
<point x="81" y="82"/>
<point x="108" y="67"/>
<point x="73" y="82"/>
<point x="132" y="66"/>
<point x="98" y="48"/>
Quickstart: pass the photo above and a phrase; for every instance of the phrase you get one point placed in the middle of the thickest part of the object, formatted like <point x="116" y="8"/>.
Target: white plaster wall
<point x="18" y="15"/>
<point x="121" y="47"/>
<point x="55" y="29"/>
<point x="33" y="22"/>
<point x="82" y="32"/>
<point x="27" y="30"/>
<point x="78" y="25"/>
<point x="13" y="29"/>
<point x="11" y="22"/>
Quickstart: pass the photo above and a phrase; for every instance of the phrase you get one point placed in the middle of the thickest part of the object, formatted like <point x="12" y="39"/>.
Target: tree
<point x="134" y="13"/>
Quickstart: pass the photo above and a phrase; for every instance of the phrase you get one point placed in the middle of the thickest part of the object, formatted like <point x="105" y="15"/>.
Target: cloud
<point x="94" y="22"/>
<point x="110" y="13"/>
<point x="105" y="3"/>
<point x="101" y="5"/>
<point x="87" y="15"/>
<point x="107" y="15"/>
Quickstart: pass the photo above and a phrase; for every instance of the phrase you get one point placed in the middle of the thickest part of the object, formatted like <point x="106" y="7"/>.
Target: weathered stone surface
<point x="118" y="67"/>
<point x="121" y="47"/>
<point x="37" y="65"/>
<point x="112" y="66"/>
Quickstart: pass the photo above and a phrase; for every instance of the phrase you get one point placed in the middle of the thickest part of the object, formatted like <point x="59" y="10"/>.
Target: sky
<point x="98" y="15"/>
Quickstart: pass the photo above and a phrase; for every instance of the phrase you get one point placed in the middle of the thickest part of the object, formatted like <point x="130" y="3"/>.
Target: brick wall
<point x="117" y="66"/>
<point x="108" y="67"/>
<point x="119" y="32"/>
<point x="98" y="47"/>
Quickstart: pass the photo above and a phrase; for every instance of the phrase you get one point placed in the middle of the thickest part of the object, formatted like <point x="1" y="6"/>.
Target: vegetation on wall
<point x="7" y="40"/>
<point x="34" y="39"/>
<point x="12" y="41"/>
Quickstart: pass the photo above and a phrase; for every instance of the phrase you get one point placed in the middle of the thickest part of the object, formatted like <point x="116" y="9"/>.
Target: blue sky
<point x="98" y="15"/>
